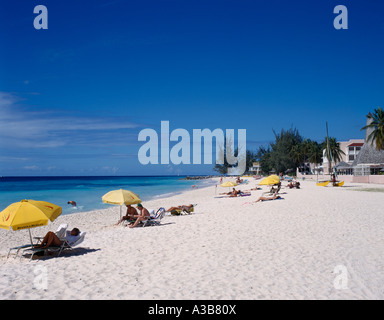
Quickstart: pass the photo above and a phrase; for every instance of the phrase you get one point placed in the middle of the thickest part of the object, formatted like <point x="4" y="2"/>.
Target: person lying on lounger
<point x="183" y="207"/>
<point x="274" y="197"/>
<point x="52" y="240"/>
<point x="233" y="193"/>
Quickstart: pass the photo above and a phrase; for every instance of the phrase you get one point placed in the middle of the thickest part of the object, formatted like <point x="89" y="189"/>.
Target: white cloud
<point x="24" y="127"/>
<point x="31" y="167"/>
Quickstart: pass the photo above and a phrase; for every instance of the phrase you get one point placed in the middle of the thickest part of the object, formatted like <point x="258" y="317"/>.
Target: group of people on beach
<point x="274" y="191"/>
<point x="236" y="193"/>
<point x="276" y="188"/>
<point x="233" y="193"/>
<point x="134" y="218"/>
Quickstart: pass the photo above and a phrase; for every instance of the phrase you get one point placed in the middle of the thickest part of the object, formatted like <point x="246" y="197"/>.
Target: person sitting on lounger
<point x="52" y="240"/>
<point x="142" y="216"/>
<point x="235" y="193"/>
<point x="131" y="212"/>
<point x="294" y="184"/>
<point x="274" y="197"/>
<point x="276" y="188"/>
<point x="238" y="180"/>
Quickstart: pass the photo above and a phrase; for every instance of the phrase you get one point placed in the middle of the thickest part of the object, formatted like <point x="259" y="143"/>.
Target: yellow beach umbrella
<point x="228" y="184"/>
<point x="28" y="214"/>
<point x="121" y="197"/>
<point x="272" y="179"/>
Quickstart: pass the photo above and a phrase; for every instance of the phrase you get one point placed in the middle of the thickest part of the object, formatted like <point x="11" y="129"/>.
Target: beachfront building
<point x="255" y="169"/>
<point x="362" y="162"/>
<point x="369" y="160"/>
<point x="351" y="149"/>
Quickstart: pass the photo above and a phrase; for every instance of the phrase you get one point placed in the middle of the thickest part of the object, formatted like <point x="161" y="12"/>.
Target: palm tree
<point x="335" y="150"/>
<point x="315" y="153"/>
<point x="334" y="153"/>
<point x="296" y="153"/>
<point x="377" y="126"/>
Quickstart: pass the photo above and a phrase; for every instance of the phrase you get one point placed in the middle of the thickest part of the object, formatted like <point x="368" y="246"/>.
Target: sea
<point x="87" y="191"/>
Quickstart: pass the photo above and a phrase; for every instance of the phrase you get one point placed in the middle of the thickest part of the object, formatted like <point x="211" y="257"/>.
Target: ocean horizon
<point x="87" y="191"/>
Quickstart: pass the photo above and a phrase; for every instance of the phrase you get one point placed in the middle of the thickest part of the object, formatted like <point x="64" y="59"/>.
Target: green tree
<point x="377" y="126"/>
<point x="296" y="153"/>
<point x="263" y="155"/>
<point x="223" y="168"/>
<point x="250" y="159"/>
<point x="306" y="151"/>
<point x="278" y="156"/>
<point x="315" y="154"/>
<point x="334" y="152"/>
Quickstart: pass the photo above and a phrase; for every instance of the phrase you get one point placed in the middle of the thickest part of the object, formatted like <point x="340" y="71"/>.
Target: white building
<point x="351" y="149"/>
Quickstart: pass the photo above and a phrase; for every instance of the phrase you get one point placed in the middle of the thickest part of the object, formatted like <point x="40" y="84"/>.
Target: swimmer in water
<point x="73" y="203"/>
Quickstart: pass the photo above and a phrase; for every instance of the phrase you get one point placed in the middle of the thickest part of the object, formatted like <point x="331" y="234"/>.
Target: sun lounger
<point x="155" y="220"/>
<point x="65" y="245"/>
<point x="60" y="232"/>
<point x="126" y="222"/>
<point x="242" y="194"/>
<point x="183" y="209"/>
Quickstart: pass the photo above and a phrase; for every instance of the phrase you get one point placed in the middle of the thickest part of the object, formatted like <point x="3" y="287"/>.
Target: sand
<point x="317" y="243"/>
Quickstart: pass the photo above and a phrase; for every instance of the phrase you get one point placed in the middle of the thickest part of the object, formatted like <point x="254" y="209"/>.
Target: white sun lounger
<point x="60" y="232"/>
<point x="64" y="246"/>
<point x="155" y="220"/>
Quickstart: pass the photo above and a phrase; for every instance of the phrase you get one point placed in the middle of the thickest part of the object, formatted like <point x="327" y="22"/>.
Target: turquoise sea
<point x="87" y="191"/>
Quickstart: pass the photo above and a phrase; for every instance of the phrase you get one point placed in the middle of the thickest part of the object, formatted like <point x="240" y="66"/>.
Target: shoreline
<point x="229" y="248"/>
<point x="88" y="193"/>
<point x="152" y="198"/>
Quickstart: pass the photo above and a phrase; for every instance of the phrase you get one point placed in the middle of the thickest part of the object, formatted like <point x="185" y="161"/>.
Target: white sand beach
<point x="229" y="248"/>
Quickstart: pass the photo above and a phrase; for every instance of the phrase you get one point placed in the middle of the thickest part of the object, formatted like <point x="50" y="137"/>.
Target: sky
<point x="74" y="97"/>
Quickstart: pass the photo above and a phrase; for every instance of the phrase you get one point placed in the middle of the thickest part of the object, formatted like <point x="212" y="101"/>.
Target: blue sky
<point x="74" y="98"/>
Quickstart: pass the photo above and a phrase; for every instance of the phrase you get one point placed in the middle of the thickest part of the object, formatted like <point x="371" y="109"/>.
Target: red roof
<point x="356" y="144"/>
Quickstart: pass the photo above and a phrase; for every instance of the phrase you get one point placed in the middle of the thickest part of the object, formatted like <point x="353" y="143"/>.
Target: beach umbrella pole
<point x="30" y="237"/>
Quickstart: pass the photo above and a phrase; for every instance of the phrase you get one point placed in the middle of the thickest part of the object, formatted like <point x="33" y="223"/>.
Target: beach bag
<point x="175" y="212"/>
